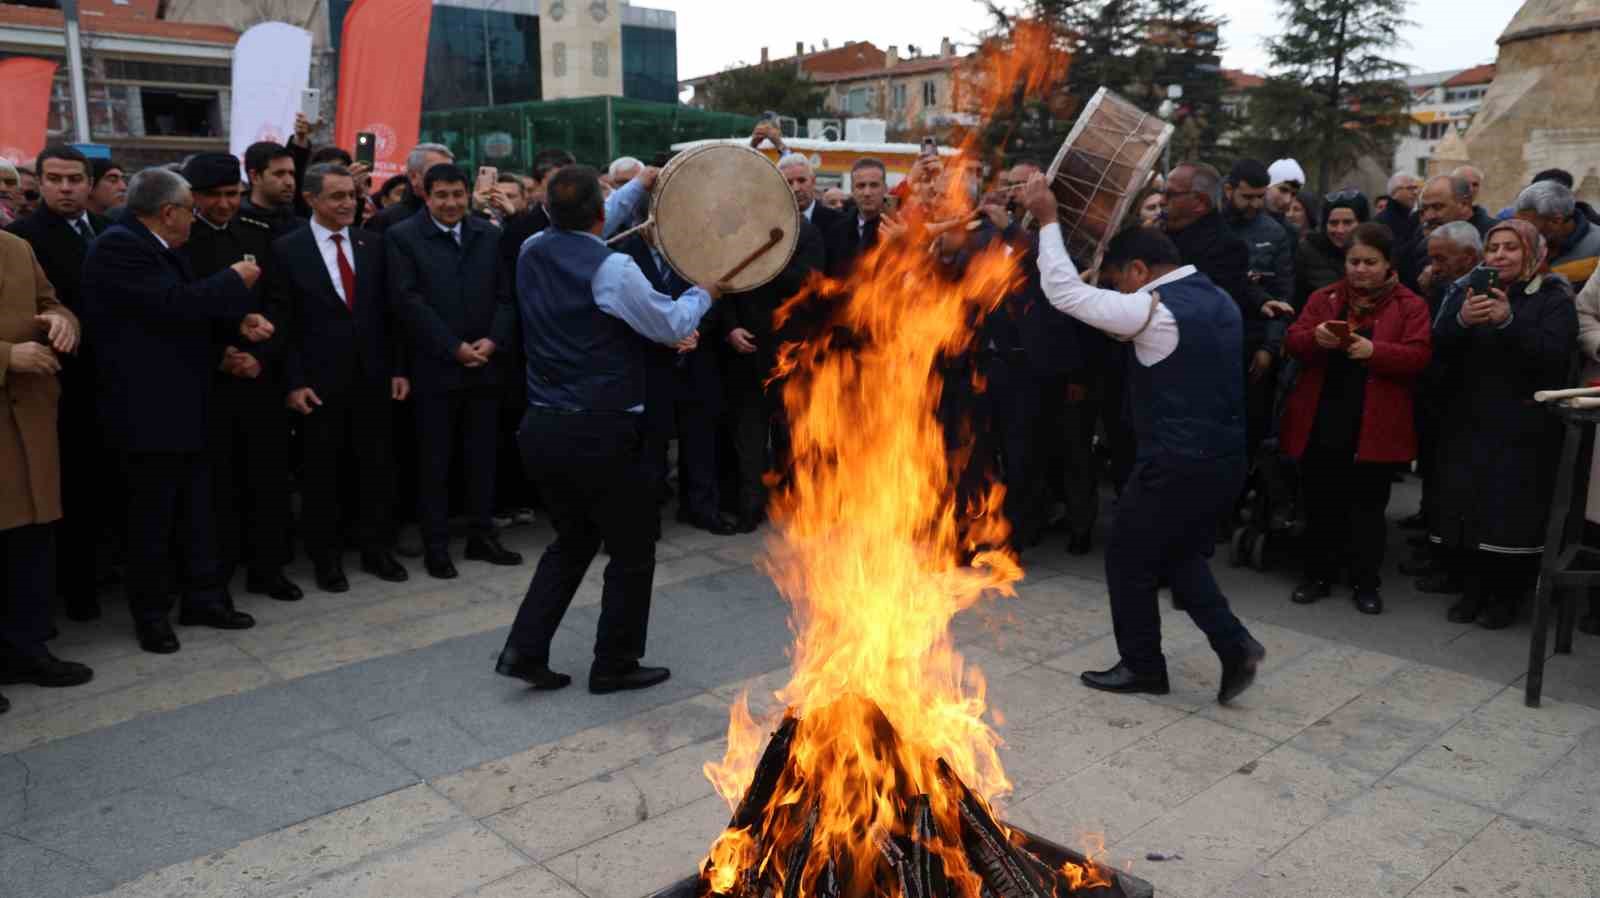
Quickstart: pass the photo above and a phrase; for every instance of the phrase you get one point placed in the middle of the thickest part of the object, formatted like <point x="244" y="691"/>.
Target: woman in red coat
<point x="1361" y="343"/>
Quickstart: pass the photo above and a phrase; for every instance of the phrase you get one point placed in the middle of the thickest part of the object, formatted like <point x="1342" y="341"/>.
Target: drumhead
<point x="1104" y="163"/>
<point x="716" y="205"/>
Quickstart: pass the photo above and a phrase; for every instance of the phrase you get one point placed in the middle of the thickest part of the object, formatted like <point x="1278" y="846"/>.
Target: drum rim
<point x="1145" y="165"/>
<point x="792" y="237"/>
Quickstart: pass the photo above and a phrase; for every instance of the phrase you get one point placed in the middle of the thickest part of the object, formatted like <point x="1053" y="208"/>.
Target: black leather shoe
<point x="1080" y="543"/>
<point x="748" y="523"/>
<point x="1498" y="616"/>
<point x="5" y="704"/>
<point x="634" y="678"/>
<point x="273" y="585"/>
<point x="1418" y="521"/>
<point x="1590" y="623"/>
<point x="82" y="609"/>
<point x="1311" y="591"/>
<point x="331" y="578"/>
<point x="488" y="548"/>
<point x="513" y="664"/>
<point x="1464" y="611"/>
<point x="1122" y="679"/>
<point x="384" y="566"/>
<point x="1419" y="567"/>
<point x="157" y="638"/>
<point x="439" y="565"/>
<point x="1368" y="601"/>
<point x="217" y="617"/>
<point x="713" y="524"/>
<point x="1440" y="585"/>
<point x="50" y="672"/>
<point x="1239" y="669"/>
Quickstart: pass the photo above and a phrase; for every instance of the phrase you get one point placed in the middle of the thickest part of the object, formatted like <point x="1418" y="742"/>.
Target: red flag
<point x="24" y="106"/>
<point x="382" y="57"/>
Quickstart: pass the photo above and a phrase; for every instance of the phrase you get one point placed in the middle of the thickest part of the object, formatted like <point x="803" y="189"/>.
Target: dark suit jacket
<point x="754" y="309"/>
<point x="518" y="229"/>
<point x="327" y="346"/>
<point x="154" y="322"/>
<point x="60" y="250"/>
<point x="446" y="295"/>
<point x="692" y="376"/>
<point x="842" y="242"/>
<point x="823" y="218"/>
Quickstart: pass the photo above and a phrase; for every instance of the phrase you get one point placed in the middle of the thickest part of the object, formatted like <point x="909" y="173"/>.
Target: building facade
<point x="1442" y="103"/>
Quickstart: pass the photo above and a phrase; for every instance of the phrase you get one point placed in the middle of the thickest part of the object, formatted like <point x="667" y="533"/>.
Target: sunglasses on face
<point x="1343" y="196"/>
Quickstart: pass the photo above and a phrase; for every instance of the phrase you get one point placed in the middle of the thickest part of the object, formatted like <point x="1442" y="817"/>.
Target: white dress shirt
<point x="453" y="230"/>
<point x="330" y="252"/>
<point x="810" y="209"/>
<point x="1119" y="314"/>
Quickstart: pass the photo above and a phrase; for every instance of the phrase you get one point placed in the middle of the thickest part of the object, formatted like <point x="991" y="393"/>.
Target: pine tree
<point x="1182" y="47"/>
<point x="774" y="86"/>
<point x="1334" y="94"/>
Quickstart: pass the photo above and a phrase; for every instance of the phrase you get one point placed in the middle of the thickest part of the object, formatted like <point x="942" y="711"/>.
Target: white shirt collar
<point x="809" y="209"/>
<point x="453" y="230"/>
<point x="322" y="234"/>
<point x="1177" y="274"/>
<point x="164" y="244"/>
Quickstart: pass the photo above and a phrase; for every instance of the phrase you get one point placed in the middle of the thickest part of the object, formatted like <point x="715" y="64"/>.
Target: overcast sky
<point x="713" y="34"/>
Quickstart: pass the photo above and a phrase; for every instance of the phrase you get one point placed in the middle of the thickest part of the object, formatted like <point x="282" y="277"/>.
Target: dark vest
<point x="1190" y="406"/>
<point x="579" y="358"/>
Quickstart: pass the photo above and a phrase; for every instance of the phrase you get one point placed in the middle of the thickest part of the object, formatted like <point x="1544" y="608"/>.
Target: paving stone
<point x="1393" y="720"/>
<point x="1567" y="796"/>
<point x="428" y="742"/>
<point x="1485" y="760"/>
<point x="1515" y="860"/>
<point x="532" y="882"/>
<point x="361" y="620"/>
<point x="304" y="851"/>
<point x="454" y="863"/>
<point x="1384" y="843"/>
<point x="122" y="670"/>
<point x="1241" y="821"/>
<point x="1116" y="796"/>
<point x="1291" y="698"/>
<point x="1031" y="631"/>
<point x="647" y="857"/>
<point x="28" y="870"/>
<point x="1041" y="750"/>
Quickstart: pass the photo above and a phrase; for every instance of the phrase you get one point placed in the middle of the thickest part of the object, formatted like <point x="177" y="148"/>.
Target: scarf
<point x="1362" y="307"/>
<point x="1535" y="254"/>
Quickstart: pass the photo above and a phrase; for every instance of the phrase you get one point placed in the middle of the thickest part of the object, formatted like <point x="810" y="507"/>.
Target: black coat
<point x="517" y="230"/>
<point x="156" y="353"/>
<point x="1400" y="221"/>
<point x="393" y="214"/>
<point x="445" y="295"/>
<point x="327" y="345"/>
<point x="60" y="250"/>
<point x="693" y="376"/>
<point x="754" y="309"/>
<point x="1317" y="264"/>
<point x="824" y="217"/>
<point x="842" y="241"/>
<point x="1213" y="248"/>
<point x="210" y="250"/>
<point x="1498" y="447"/>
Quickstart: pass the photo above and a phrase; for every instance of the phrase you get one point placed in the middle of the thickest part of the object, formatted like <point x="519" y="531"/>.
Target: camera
<point x="1483" y="279"/>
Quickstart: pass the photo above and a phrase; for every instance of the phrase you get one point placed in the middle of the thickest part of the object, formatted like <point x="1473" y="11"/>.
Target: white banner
<point x="271" y="66"/>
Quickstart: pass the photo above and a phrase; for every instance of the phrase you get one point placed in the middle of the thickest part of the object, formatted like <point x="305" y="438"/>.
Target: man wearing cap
<point x="249" y="437"/>
<point x="1287" y="180"/>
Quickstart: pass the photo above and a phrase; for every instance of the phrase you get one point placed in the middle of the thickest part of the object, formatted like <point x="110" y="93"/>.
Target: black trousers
<point x="468" y="419"/>
<point x="27" y="574"/>
<point x="90" y="483"/>
<point x="349" y="431"/>
<point x="1166" y="529"/>
<point x="249" y="455"/>
<point x="758" y="419"/>
<point x="1494" y="578"/>
<point x="171" y="519"/>
<point x="1345" y="502"/>
<point x="590" y="470"/>
<point x="1076" y="472"/>
<point x="1258" y="398"/>
<point x="669" y="413"/>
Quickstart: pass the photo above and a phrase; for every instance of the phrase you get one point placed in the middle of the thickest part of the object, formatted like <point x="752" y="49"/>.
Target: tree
<point x="777" y="87"/>
<point x="1334" y="94"/>
<point x="1182" y="48"/>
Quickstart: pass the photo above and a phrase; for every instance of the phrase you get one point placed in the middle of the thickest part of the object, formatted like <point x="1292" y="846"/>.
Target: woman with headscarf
<point x="1498" y="448"/>
<point x="1319" y="261"/>
<point x="1361" y="344"/>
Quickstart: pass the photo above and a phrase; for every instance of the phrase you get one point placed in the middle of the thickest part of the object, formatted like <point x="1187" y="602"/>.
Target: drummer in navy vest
<point x="1187" y="398"/>
<point x="587" y="313"/>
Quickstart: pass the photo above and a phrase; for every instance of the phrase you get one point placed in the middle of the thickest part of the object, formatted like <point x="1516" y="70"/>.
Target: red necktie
<point x="346" y="274"/>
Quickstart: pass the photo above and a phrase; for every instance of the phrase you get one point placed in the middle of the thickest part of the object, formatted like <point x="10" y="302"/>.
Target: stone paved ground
<point x="360" y="745"/>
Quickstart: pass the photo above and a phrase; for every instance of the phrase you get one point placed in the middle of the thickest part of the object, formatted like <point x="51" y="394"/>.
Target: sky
<point x="714" y="34"/>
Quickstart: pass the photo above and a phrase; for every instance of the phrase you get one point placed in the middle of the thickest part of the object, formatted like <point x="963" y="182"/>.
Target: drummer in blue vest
<point x="587" y="313"/>
<point x="1186" y="394"/>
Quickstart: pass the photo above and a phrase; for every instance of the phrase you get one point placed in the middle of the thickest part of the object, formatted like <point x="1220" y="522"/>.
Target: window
<point x="649" y="63"/>
<point x="180" y="113"/>
<point x="558" y="59"/>
<point x="475" y="56"/>
<point x="897" y="96"/>
<point x="602" y="59"/>
<point x="930" y="93"/>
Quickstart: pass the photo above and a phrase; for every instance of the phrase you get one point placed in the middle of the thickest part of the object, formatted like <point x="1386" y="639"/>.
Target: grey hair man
<point x="1400" y="214"/>
<point x="1473" y="176"/>
<point x="421" y="158"/>
<point x="623" y="170"/>
<point x="1403" y="189"/>
<point x="1574" y="241"/>
<point x="1454" y="249"/>
<point x="797" y="170"/>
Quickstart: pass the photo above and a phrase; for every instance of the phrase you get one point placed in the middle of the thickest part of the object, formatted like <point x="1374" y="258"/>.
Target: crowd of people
<point x="207" y="372"/>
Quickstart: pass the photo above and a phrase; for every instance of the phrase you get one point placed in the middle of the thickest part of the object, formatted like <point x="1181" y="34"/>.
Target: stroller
<point x="1270" y="514"/>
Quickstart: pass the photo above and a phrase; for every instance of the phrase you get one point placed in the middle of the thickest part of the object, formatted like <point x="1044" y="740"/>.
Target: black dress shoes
<point x="1498" y="616"/>
<point x="439" y="565"/>
<point x="713" y="523"/>
<point x="514" y="664"/>
<point x="1123" y="679"/>
<point x="1368" y="601"/>
<point x="273" y="585"/>
<point x="83" y="609"/>
<point x="217" y="617"/>
<point x="384" y="566"/>
<point x="1418" y="567"/>
<point x="1418" y="521"/>
<point x="1464" y="611"/>
<point x="331" y="578"/>
<point x="488" y="548"/>
<point x="49" y="671"/>
<point x="749" y="523"/>
<point x="157" y="637"/>
<point x="5" y="704"/>
<point x="1590" y="623"/>
<point x="1441" y="585"/>
<point x="635" y="677"/>
<point x="1080" y="543"/>
<point x="1239" y="669"/>
<point x="1310" y="591"/>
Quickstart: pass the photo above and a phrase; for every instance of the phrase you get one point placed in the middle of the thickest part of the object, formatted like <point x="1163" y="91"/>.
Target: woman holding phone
<point x="1507" y="330"/>
<point x="1361" y="343"/>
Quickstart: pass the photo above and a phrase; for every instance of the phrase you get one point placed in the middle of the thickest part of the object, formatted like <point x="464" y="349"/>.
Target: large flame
<point x="873" y="549"/>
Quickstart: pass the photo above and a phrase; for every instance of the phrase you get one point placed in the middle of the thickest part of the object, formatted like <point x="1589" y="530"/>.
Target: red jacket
<point x="1401" y="347"/>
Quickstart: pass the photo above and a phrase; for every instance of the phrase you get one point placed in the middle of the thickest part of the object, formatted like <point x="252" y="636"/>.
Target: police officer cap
<point x="208" y="171"/>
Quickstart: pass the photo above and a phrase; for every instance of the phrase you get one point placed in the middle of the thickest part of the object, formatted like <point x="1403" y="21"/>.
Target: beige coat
<point x="1589" y="348"/>
<point x="30" y="475"/>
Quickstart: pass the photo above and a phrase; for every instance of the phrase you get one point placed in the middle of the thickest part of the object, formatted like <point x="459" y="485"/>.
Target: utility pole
<point x="80" y="98"/>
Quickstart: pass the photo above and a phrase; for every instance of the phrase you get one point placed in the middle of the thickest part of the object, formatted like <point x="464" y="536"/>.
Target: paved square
<point x="361" y="745"/>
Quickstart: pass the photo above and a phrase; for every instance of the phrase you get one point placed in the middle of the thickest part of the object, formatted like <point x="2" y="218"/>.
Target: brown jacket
<point x="30" y="478"/>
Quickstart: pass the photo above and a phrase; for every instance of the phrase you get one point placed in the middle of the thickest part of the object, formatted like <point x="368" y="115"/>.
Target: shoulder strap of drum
<point x="1150" y="316"/>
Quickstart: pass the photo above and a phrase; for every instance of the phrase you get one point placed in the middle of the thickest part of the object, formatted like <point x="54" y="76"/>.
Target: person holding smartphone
<point x="1503" y="336"/>
<point x="1362" y="343"/>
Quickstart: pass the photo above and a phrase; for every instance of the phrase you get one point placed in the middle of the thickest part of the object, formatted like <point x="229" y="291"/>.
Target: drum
<point x="1103" y="165"/>
<point x="724" y="214"/>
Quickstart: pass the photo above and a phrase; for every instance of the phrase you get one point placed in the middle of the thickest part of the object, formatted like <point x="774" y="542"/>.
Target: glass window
<point x="856" y="103"/>
<point x="558" y="60"/>
<point x="602" y="59"/>
<point x="930" y="93"/>
<point x="475" y="56"/>
<point x="649" y="64"/>
<point x="898" y="96"/>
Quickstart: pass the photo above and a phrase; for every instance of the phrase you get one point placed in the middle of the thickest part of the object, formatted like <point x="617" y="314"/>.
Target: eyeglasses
<point x="31" y="196"/>
<point x="1344" y="196"/>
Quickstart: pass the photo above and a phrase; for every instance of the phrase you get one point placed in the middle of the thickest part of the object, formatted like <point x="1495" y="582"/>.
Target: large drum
<point x="1103" y="165"/>
<point x="724" y="215"/>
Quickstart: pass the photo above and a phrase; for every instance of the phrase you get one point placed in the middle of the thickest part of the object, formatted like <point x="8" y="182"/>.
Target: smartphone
<point x="311" y="104"/>
<point x="1341" y="329"/>
<point x="1483" y="280"/>
<point x="930" y="147"/>
<point x="366" y="147"/>
<point x="487" y="176"/>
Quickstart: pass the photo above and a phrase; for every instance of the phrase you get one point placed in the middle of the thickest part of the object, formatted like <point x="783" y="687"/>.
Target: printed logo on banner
<point x="386" y="139"/>
<point x="269" y="132"/>
<point x="12" y="154"/>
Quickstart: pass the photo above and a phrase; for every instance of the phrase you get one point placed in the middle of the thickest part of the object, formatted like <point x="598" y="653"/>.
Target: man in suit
<point x="60" y="231"/>
<point x="683" y="395"/>
<point x="535" y="217"/>
<point x="110" y="188"/>
<point x="454" y="301"/>
<point x="249" y="435"/>
<point x="848" y="239"/>
<point x="156" y="323"/>
<point x="422" y="157"/>
<point x="341" y="370"/>
<point x="803" y="181"/>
